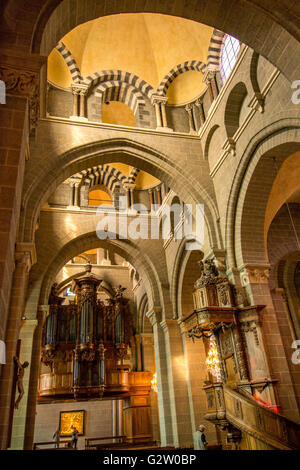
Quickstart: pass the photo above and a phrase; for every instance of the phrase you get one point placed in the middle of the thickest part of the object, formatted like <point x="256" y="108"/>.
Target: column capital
<point x="79" y="88"/>
<point x="188" y="107"/>
<point x="255" y="274"/>
<point x="198" y="102"/>
<point x="209" y="75"/>
<point x="159" y="99"/>
<point x="26" y="253"/>
<point x="130" y="186"/>
<point x="154" y="315"/>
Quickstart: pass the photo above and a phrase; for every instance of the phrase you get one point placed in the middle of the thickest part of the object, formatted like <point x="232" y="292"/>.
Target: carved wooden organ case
<point x="83" y="344"/>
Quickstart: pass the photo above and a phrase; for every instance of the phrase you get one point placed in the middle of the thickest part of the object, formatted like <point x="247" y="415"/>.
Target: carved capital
<point x="255" y="274"/>
<point x="159" y="99"/>
<point x="19" y="82"/>
<point x="189" y="107"/>
<point x="25" y="254"/>
<point x="79" y="89"/>
<point x="210" y="74"/>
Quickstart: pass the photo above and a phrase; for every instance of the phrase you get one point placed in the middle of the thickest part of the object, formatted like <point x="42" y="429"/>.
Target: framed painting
<point x="67" y="419"/>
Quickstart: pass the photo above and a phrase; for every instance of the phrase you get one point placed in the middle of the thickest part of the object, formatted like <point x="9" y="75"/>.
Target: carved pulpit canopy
<point x="209" y="274"/>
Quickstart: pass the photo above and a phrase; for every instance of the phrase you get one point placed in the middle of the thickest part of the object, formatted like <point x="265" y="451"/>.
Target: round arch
<point x="185" y="260"/>
<point x="255" y="175"/>
<point x="242" y="20"/>
<point x="58" y="169"/>
<point x="42" y="276"/>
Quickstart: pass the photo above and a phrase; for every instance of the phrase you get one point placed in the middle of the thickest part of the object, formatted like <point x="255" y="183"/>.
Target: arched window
<point x="230" y="50"/>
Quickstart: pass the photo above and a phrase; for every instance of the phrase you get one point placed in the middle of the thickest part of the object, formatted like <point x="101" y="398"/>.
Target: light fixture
<point x="212" y="360"/>
<point x="154" y="383"/>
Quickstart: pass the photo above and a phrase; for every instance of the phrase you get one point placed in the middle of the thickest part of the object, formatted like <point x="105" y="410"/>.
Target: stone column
<point x="189" y="110"/>
<point x="159" y="198"/>
<point x="210" y="80"/>
<point x="71" y="194"/>
<point x="114" y="417"/>
<point x="75" y="93"/>
<point x="77" y="187"/>
<point x="19" y="422"/>
<point x="79" y="92"/>
<point x="255" y="280"/>
<point x="197" y="373"/>
<point x="34" y="376"/>
<point x="199" y="104"/>
<point x="21" y="82"/>
<point x="178" y="383"/>
<point x="151" y="199"/>
<point x="25" y="257"/>
<point x="131" y="189"/>
<point x="159" y="102"/>
<point x="147" y="340"/>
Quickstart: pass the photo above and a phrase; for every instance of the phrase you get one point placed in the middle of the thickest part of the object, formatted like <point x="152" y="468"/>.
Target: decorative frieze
<point x="255" y="274"/>
<point x="19" y="82"/>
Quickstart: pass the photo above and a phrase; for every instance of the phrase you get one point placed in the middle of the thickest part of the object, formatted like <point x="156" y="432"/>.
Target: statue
<point x="209" y="273"/>
<point x="20" y="376"/>
<point x="119" y="291"/>
<point x="54" y="298"/>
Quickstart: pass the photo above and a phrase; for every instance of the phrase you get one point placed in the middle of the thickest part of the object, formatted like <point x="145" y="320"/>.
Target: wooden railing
<point x="245" y="413"/>
<point x="241" y="410"/>
<point x="98" y="442"/>
<point x="61" y="445"/>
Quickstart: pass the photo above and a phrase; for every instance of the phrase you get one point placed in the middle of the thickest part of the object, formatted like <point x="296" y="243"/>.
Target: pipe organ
<point x="84" y="343"/>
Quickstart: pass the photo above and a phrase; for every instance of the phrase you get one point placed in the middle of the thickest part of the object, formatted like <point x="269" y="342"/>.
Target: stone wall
<point x="99" y="419"/>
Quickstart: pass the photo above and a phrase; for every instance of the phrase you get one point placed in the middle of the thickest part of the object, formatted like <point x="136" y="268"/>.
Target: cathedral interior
<point x="150" y="224"/>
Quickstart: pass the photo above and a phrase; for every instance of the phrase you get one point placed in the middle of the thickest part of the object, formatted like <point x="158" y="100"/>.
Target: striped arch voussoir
<point x="120" y="76"/>
<point x="214" y="50"/>
<point x="102" y="174"/>
<point x="70" y="62"/>
<point x="195" y="65"/>
<point x="133" y="174"/>
<point x="120" y="91"/>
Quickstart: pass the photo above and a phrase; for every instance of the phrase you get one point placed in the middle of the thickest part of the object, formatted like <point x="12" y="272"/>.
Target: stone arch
<point x="53" y="21"/>
<point x="185" y="272"/>
<point x="142" y="309"/>
<point x="133" y="175"/>
<point x="120" y="91"/>
<point x="127" y="151"/>
<point x="215" y="49"/>
<point x="209" y="139"/>
<point x="195" y="65"/>
<point x="121" y="77"/>
<point x="251" y="188"/>
<point x="42" y="275"/>
<point x="70" y="62"/>
<point x="253" y="72"/>
<point x="233" y="108"/>
<point x="102" y="175"/>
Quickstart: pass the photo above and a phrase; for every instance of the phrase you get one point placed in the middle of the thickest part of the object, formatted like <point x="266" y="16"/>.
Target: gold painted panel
<point x="67" y="419"/>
